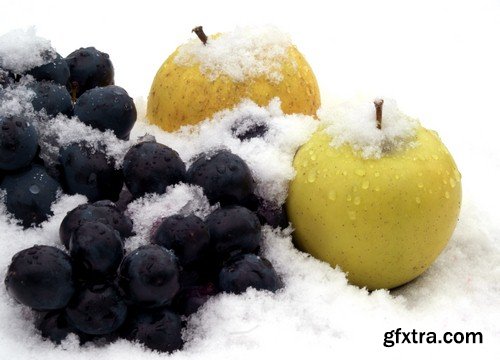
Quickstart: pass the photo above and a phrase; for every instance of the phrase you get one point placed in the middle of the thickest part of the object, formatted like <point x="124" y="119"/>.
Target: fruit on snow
<point x="149" y="167"/>
<point x="89" y="68"/>
<point x="40" y="277"/>
<point x="158" y="329"/>
<point x="383" y="221"/>
<point x="186" y="236"/>
<point x="51" y="97"/>
<point x="102" y="211"/>
<point x="234" y="230"/>
<point x="96" y="309"/>
<point x="56" y="70"/>
<point x="30" y="195"/>
<point x="87" y="171"/>
<point x="107" y="108"/>
<point x="96" y="250"/>
<point x="224" y="177"/>
<point x="18" y="142"/>
<point x="189" y="87"/>
<point x="249" y="270"/>
<point x="149" y="276"/>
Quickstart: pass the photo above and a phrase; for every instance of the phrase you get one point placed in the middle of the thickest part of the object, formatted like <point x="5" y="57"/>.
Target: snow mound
<point x="22" y="50"/>
<point x="354" y="123"/>
<point x="244" y="53"/>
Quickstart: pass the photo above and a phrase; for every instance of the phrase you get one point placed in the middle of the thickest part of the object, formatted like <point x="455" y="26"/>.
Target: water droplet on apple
<point x="420" y="185"/>
<point x="360" y="172"/>
<point x="311" y="177"/>
<point x="447" y="195"/>
<point x="377" y="188"/>
<point x="397" y="177"/>
<point x="445" y="181"/>
<point x="332" y="195"/>
<point x="435" y="157"/>
<point x="352" y="215"/>
<point x="417" y="200"/>
<point x="457" y="175"/>
<point x="313" y="157"/>
<point x="452" y="182"/>
<point x="349" y="197"/>
<point x="420" y="173"/>
<point x="357" y="200"/>
<point x="377" y="174"/>
<point x="365" y="185"/>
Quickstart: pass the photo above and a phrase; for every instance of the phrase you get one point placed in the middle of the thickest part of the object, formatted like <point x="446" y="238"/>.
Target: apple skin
<point x="183" y="95"/>
<point x="383" y="221"/>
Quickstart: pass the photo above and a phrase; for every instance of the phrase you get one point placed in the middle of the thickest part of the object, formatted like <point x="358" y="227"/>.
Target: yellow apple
<point x="205" y="76"/>
<point x="383" y="220"/>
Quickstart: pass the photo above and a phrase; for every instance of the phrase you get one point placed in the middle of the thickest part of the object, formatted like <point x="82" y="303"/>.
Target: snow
<point x="353" y="122"/>
<point x="22" y="50"/>
<point x="244" y="53"/>
<point x="436" y="59"/>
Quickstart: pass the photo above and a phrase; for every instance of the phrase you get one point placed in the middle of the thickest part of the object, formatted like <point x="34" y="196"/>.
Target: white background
<point x="439" y="59"/>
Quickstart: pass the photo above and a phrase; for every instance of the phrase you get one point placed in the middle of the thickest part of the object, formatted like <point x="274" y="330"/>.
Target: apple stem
<point x="378" y="106"/>
<point x="201" y="34"/>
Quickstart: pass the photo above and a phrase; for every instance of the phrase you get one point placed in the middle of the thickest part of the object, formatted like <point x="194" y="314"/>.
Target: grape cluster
<point x="91" y="286"/>
<point x="97" y="291"/>
<point x="81" y="84"/>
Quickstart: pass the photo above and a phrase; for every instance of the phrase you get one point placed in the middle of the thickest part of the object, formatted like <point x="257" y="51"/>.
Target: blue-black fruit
<point x="102" y="211"/>
<point x="157" y="329"/>
<point x="190" y="299"/>
<point x="107" y="108"/>
<point x="88" y="69"/>
<point x="55" y="70"/>
<point x="186" y="236"/>
<point x="246" y="271"/>
<point x="233" y="230"/>
<point x="30" y="195"/>
<point x="53" y="326"/>
<point x="18" y="142"/>
<point x="41" y="277"/>
<point x="51" y="97"/>
<point x="96" y="309"/>
<point x="88" y="171"/>
<point x="96" y="250"/>
<point x="149" y="167"/>
<point x="149" y="276"/>
<point x="271" y="214"/>
<point x="224" y="177"/>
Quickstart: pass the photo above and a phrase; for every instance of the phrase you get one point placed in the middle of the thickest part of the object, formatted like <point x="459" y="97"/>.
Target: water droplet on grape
<point x="34" y="189"/>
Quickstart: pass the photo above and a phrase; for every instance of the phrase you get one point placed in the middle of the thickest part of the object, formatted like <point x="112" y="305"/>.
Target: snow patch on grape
<point x="22" y="50"/>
